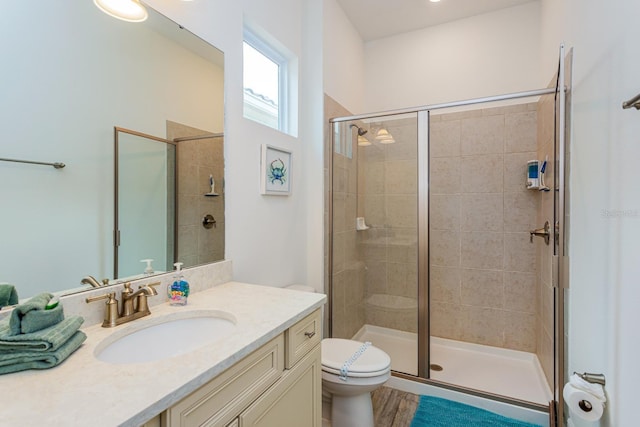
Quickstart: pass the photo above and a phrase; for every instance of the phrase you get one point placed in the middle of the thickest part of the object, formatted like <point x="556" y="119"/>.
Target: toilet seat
<point x="372" y="362"/>
<point x="352" y="374"/>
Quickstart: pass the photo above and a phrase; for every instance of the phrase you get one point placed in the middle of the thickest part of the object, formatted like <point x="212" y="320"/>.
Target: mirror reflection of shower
<point x="165" y="187"/>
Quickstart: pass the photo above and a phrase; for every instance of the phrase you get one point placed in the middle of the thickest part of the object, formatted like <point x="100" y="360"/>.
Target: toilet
<point x="351" y="386"/>
<point x="351" y="370"/>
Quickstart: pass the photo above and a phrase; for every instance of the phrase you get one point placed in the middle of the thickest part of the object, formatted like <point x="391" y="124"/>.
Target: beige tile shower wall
<point x="196" y="161"/>
<point x="348" y="271"/>
<point x="483" y="270"/>
<point x="387" y="189"/>
<point x="544" y="253"/>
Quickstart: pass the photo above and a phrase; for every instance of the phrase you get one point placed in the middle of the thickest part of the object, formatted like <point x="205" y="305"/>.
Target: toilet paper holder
<point x="592" y="378"/>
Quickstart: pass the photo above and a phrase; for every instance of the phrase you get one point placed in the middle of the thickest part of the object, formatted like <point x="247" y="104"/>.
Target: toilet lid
<point x="336" y="351"/>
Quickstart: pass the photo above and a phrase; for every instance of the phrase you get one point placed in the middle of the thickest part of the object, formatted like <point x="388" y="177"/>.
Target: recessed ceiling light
<point x="126" y="10"/>
<point x="434" y="1"/>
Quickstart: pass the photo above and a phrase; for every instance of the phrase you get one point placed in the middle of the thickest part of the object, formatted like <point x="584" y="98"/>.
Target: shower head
<point x="361" y="131"/>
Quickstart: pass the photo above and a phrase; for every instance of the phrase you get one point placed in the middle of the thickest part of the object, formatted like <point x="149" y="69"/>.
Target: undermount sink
<point x="165" y="337"/>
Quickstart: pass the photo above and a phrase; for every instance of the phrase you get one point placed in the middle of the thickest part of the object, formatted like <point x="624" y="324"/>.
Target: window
<point x="265" y="82"/>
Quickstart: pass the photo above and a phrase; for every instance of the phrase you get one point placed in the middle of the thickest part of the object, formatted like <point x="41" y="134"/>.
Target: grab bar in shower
<point x="633" y="102"/>
<point x="56" y="165"/>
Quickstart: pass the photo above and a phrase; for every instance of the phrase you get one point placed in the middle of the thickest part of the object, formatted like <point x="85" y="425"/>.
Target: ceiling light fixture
<point x="434" y="1"/>
<point x="126" y="10"/>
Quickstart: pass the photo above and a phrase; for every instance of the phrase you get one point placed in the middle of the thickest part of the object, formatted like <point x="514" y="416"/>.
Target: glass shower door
<point x="374" y="217"/>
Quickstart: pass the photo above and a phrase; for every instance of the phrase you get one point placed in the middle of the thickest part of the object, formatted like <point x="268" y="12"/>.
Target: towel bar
<point x="56" y="165"/>
<point x="633" y="102"/>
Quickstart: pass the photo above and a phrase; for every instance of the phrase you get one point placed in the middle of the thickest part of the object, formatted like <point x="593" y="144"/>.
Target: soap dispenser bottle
<point x="149" y="269"/>
<point x="178" y="290"/>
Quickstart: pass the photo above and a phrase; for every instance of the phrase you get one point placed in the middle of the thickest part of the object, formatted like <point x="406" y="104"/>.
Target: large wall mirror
<point x="73" y="75"/>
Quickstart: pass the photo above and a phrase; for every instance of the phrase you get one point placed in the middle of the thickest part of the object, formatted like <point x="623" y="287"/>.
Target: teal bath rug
<point x="437" y="412"/>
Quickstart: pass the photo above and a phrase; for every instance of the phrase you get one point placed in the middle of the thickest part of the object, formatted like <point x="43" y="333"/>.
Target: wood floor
<point x="393" y="408"/>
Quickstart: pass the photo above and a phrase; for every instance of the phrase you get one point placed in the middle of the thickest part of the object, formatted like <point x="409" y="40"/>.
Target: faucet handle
<point x="111" y="311"/>
<point x="151" y="286"/>
<point x="110" y="295"/>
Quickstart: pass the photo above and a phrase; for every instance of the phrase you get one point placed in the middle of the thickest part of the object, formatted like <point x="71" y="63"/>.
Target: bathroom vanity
<point x="267" y="372"/>
<point x="277" y="385"/>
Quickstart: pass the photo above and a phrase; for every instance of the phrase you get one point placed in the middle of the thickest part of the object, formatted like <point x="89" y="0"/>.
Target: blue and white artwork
<point x="276" y="171"/>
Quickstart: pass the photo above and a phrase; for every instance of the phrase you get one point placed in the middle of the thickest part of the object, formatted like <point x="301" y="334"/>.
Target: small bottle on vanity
<point x="178" y="290"/>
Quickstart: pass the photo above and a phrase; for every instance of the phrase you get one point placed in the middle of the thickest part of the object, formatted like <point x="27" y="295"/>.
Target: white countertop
<point x="86" y="391"/>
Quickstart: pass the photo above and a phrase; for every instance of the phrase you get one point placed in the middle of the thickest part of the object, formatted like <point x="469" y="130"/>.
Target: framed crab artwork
<point x="275" y="174"/>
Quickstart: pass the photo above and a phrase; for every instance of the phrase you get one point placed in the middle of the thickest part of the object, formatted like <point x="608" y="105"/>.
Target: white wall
<point x="605" y="196"/>
<point x="484" y="55"/>
<point x="311" y="132"/>
<point x="269" y="238"/>
<point x="343" y="66"/>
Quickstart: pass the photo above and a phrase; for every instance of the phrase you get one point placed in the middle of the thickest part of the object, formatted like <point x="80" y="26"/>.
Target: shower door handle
<point x="541" y="232"/>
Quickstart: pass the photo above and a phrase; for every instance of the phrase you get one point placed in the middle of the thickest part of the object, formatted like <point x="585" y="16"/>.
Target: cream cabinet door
<point x="294" y="401"/>
<point x="218" y="402"/>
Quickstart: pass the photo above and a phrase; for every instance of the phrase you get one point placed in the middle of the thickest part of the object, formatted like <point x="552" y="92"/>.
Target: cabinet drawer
<point x="223" y="398"/>
<point x="302" y="337"/>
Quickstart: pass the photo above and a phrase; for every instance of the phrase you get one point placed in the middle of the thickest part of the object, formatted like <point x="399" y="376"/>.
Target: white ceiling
<point x="375" y="19"/>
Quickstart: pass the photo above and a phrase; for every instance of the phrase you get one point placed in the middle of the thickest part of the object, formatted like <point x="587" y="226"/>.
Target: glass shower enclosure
<point x="431" y="255"/>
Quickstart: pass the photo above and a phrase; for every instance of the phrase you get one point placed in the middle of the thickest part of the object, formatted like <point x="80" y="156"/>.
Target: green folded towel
<point x="32" y="316"/>
<point x="22" y="360"/>
<point x="49" y="339"/>
<point x="8" y="295"/>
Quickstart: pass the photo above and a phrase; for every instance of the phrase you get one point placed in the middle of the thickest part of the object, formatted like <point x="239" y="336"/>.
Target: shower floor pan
<point x="511" y="373"/>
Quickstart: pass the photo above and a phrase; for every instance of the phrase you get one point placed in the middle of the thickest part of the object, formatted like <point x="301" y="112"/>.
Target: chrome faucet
<point x="90" y="280"/>
<point x="130" y="311"/>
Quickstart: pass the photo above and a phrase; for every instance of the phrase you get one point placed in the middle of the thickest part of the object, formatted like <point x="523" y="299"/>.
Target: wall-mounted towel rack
<point x="633" y="102"/>
<point x="56" y="165"/>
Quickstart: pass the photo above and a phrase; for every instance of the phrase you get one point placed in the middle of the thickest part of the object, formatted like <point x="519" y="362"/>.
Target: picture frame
<point x="275" y="171"/>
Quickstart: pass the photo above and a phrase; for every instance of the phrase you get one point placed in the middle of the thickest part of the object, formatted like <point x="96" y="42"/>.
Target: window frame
<point x="264" y="48"/>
